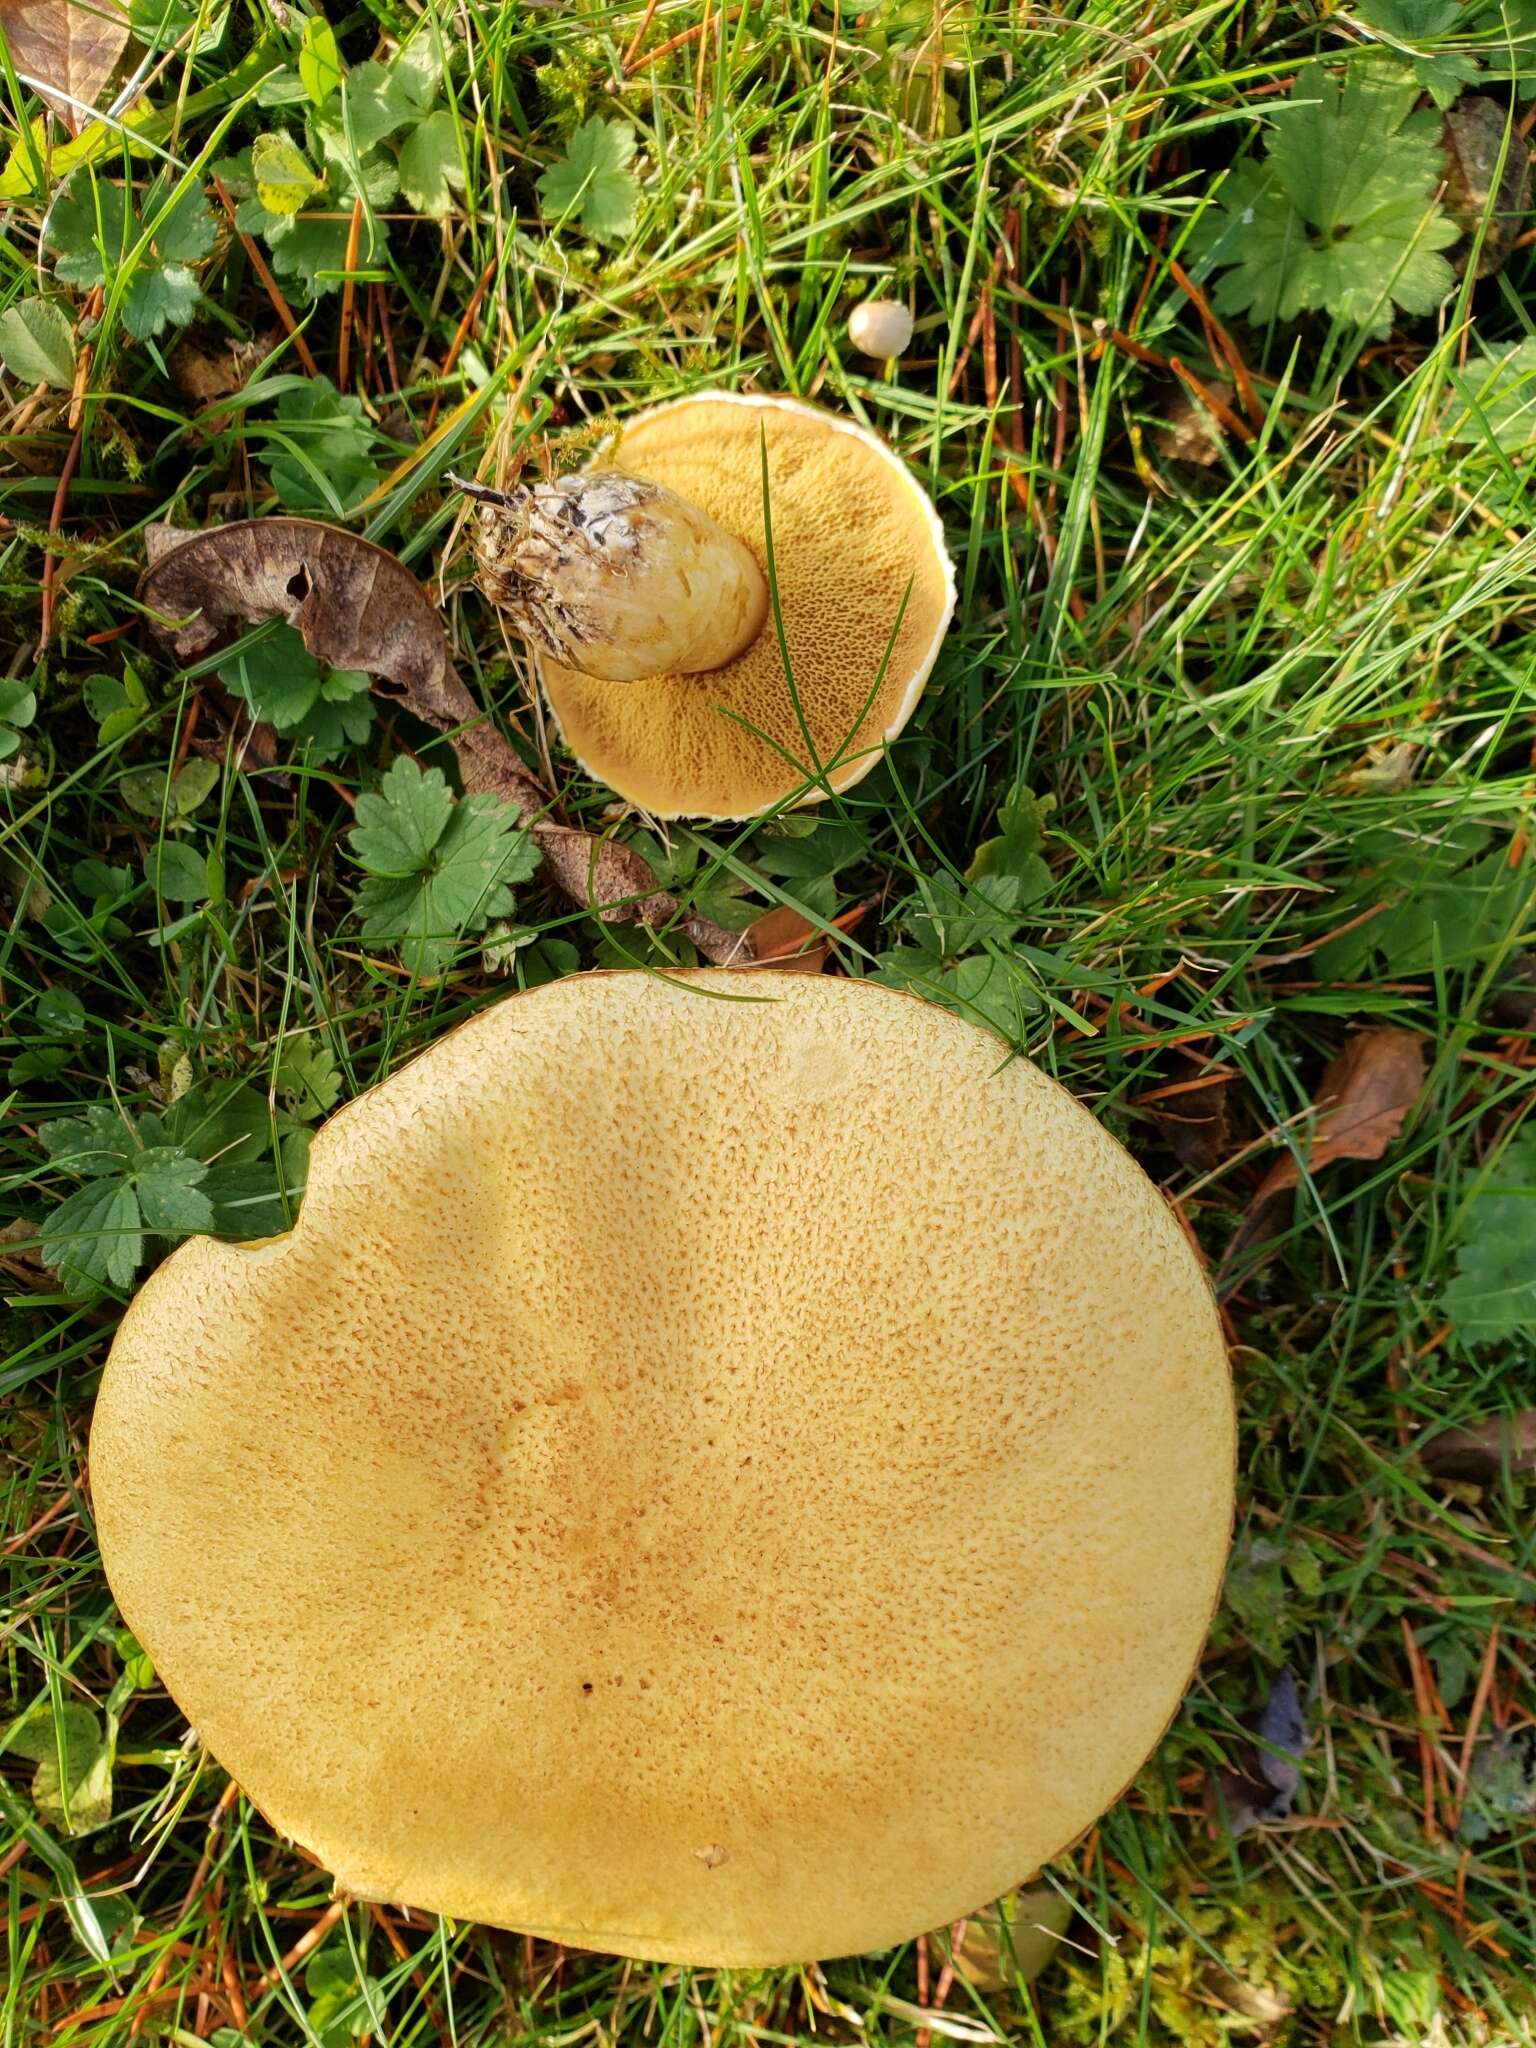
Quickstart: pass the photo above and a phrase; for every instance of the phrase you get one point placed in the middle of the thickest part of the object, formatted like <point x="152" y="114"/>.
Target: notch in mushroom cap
<point x="533" y="1531"/>
<point x="642" y="585"/>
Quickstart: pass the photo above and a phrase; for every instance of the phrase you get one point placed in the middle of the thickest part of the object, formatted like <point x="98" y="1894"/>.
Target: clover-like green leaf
<point x="593" y="182"/>
<point x="438" y="870"/>
<point x="1341" y="217"/>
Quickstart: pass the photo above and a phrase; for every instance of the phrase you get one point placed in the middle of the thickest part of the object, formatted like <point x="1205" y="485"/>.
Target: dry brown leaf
<point x="1483" y="1450"/>
<point x="1474" y="139"/>
<point x="783" y="938"/>
<point x="1191" y="432"/>
<point x="21" y="1253"/>
<point x="1191" y="1118"/>
<point x="357" y="607"/>
<point x="1365" y="1096"/>
<point x="205" y="378"/>
<point x="1514" y="1004"/>
<point x="66" y="50"/>
<point x="1362" y="1102"/>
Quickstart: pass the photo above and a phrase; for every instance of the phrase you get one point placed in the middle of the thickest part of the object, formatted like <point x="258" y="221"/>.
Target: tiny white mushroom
<point x="880" y="327"/>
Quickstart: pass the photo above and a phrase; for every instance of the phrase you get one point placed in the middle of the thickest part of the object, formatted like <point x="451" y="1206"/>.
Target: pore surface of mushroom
<point x="865" y="590"/>
<point x="725" y="1469"/>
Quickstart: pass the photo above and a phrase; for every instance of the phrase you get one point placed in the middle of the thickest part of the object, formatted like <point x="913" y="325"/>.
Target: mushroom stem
<point x="617" y="577"/>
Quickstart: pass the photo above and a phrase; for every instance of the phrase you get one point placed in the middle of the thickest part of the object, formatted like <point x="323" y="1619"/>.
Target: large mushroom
<point x="643" y="586"/>
<point x="727" y="1469"/>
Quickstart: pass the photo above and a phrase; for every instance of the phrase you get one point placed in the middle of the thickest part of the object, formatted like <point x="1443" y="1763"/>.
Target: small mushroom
<point x="725" y="1469"/>
<point x="880" y="327"/>
<point x="643" y="587"/>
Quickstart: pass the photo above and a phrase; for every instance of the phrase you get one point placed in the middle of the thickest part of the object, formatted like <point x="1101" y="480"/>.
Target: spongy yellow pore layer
<point x="851" y="529"/>
<point x="722" y="1471"/>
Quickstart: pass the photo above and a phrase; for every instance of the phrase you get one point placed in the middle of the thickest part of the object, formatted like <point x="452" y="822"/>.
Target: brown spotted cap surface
<point x="725" y="1469"/>
<point x="865" y="588"/>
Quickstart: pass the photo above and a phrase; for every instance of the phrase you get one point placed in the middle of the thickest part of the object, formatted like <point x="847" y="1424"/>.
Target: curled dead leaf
<point x="784" y="939"/>
<point x="357" y="607"/>
<point x="1483" y="1450"/>
<point x="66" y="50"/>
<point x="1362" y="1103"/>
<point x="1191" y="1118"/>
<point x="1479" y="137"/>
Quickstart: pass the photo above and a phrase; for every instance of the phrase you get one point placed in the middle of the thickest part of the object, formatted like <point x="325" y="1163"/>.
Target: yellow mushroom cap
<point x="851" y="528"/>
<point x="725" y="1469"/>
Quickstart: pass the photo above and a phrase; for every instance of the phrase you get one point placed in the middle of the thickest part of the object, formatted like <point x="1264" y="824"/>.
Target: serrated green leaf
<point x="160" y="298"/>
<point x="335" y="723"/>
<point x="89" y="227"/>
<point x="319" y="708"/>
<point x="93" y="1144"/>
<point x="1493" y="1295"/>
<point x="168" y="1185"/>
<point x="418" y="70"/>
<point x="1413" y="20"/>
<point x="37" y="343"/>
<point x="276" y="675"/>
<point x="430" y="171"/>
<point x="949" y="915"/>
<point x="1342" y="216"/>
<point x="319" y="60"/>
<point x="375" y="178"/>
<point x="182" y="25"/>
<point x="992" y="988"/>
<point x="800" y="855"/>
<point x="370" y="106"/>
<point x="314" y="252"/>
<point x="307" y="1077"/>
<point x="400" y="823"/>
<point x="1498" y="394"/>
<point x="186" y="230"/>
<point x="1448" y="898"/>
<point x="322" y="448"/>
<point x="438" y="870"/>
<point x="94" y="1237"/>
<point x="285" y="181"/>
<point x="1015" y="850"/>
<point x="593" y="183"/>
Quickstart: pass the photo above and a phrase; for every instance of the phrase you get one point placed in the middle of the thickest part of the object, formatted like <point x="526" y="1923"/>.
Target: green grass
<point x="1195" y="669"/>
